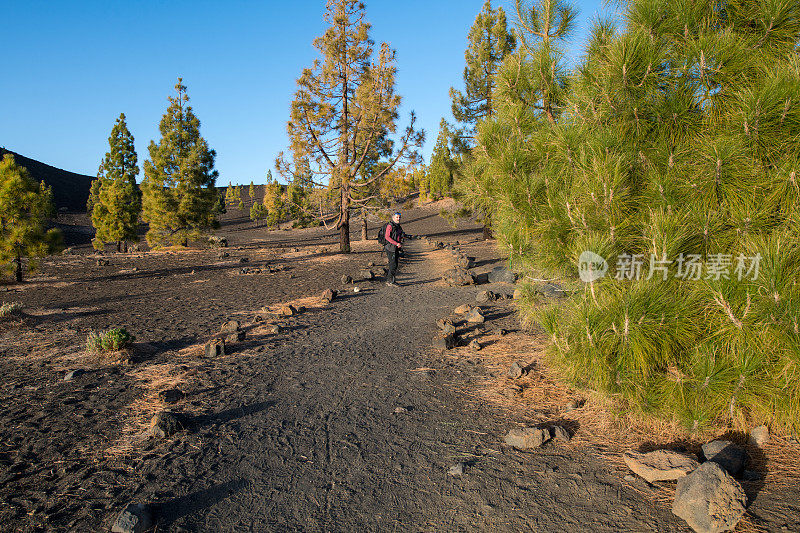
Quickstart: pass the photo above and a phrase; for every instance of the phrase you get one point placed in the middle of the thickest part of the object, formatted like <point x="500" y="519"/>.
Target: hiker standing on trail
<point x="394" y="236"/>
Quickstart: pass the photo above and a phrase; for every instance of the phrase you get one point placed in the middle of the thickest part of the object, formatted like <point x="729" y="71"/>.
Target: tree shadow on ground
<point x="170" y="511"/>
<point x="229" y="415"/>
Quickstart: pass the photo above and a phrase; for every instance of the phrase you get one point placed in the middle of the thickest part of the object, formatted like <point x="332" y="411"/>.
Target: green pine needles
<point x="115" y="199"/>
<point x="675" y="144"/>
<point x="178" y="194"/>
<point x="25" y="207"/>
<point x="438" y="178"/>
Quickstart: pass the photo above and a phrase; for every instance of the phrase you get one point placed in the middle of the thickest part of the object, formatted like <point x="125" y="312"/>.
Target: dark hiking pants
<point x="391" y="255"/>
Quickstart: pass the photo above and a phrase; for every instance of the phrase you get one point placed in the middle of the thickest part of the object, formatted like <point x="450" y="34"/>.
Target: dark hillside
<point x="70" y="190"/>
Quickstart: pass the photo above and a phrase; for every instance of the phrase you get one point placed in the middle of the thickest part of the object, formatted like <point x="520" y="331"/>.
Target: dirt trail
<point x="307" y="437"/>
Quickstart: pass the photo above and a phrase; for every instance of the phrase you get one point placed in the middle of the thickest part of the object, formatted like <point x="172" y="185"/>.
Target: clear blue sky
<point x="70" y="68"/>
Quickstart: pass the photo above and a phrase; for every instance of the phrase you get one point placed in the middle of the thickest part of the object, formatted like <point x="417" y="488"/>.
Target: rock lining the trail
<point x="709" y="499"/>
<point x="728" y="455"/>
<point x="660" y="465"/>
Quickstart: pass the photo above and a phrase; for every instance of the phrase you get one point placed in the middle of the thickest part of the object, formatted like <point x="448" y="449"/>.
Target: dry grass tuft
<point x="152" y="379"/>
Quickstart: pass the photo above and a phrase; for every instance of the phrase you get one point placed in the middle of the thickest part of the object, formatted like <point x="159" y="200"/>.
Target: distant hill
<point x="70" y="190"/>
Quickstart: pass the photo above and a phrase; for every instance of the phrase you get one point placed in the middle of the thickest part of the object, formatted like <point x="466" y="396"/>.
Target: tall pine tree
<point x="178" y="187"/>
<point x="116" y="200"/>
<point x="440" y="172"/>
<point x="344" y="106"/>
<point x="490" y="41"/>
<point x="24" y="209"/>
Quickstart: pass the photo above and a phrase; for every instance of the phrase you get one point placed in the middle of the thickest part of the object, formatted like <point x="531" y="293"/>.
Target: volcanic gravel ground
<point x="344" y="421"/>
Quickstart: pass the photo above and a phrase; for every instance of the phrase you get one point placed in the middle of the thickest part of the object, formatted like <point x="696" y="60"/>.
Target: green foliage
<point x="110" y="340"/>
<point x="275" y="204"/>
<point x="24" y="210"/>
<point x="258" y="212"/>
<point x="220" y="205"/>
<point x="178" y="187"/>
<point x="440" y="171"/>
<point x="343" y="114"/>
<point x="115" y="198"/>
<point x="676" y="135"/>
<point x="230" y="194"/>
<point x="490" y="42"/>
<point x="251" y="192"/>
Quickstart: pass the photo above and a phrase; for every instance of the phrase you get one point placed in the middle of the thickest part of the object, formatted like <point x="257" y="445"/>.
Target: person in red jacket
<point x="394" y="236"/>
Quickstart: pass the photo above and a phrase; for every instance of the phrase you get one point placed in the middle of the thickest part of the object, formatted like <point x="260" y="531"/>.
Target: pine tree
<point x="24" y="210"/>
<point x="345" y="105"/>
<point x="230" y="194"/>
<point x="239" y="198"/>
<point x="490" y="42"/>
<point x="258" y="212"/>
<point x="675" y="137"/>
<point x="115" y="198"/>
<point x="274" y="202"/>
<point x="251" y="192"/>
<point x="442" y="167"/>
<point x="178" y="187"/>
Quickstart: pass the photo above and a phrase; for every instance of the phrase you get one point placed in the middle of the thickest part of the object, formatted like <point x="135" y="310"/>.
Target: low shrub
<point x="9" y="309"/>
<point x="110" y="340"/>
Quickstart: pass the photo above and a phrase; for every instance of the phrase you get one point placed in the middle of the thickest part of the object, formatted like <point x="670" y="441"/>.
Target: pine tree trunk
<point x="487" y="232"/>
<point x="344" y="227"/>
<point x="18" y="268"/>
<point x="125" y="246"/>
<point x="363" y="224"/>
<point x="119" y="246"/>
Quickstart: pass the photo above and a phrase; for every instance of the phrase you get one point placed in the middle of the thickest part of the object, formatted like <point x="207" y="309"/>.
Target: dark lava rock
<point x="456" y="470"/>
<point x="709" y="499"/>
<point x="501" y="274"/>
<point x="515" y="370"/>
<point x="215" y="348"/>
<point x="365" y="275"/>
<point x="475" y="316"/>
<point x="244" y="259"/>
<point x="485" y="297"/>
<point x="445" y="326"/>
<point x="444" y="342"/>
<point x="482" y="279"/>
<point x="346" y="279"/>
<point x="465" y="262"/>
<point x="457" y="277"/>
<point x="527" y="438"/>
<point x="233" y="338"/>
<point x="727" y="454"/>
<point x="551" y="290"/>
<point x="231" y="326"/>
<point x="135" y="518"/>
<point x="167" y="423"/>
<point x="328" y="295"/>
<point x="72" y="374"/>
<point x="171" y="395"/>
<point x="560" y="434"/>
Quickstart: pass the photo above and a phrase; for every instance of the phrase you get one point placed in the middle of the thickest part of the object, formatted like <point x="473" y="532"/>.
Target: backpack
<point x="382" y="235"/>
